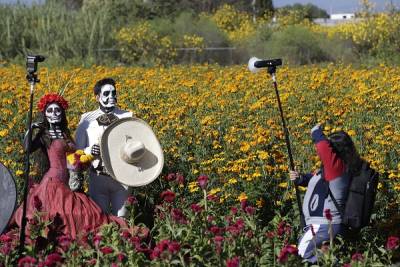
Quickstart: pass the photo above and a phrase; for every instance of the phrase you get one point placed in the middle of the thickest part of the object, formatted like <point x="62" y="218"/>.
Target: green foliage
<point x="53" y="31"/>
<point x="308" y="11"/>
<point x="296" y="45"/>
<point x="76" y="32"/>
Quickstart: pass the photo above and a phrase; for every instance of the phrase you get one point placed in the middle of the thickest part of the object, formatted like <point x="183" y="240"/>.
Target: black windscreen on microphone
<point x="268" y="63"/>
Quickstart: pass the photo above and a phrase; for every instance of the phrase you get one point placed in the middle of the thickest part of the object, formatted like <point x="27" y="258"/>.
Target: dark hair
<point x="344" y="146"/>
<point x="101" y="83"/>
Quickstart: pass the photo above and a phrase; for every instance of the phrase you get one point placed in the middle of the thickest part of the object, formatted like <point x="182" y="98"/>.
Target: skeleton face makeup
<point x="107" y="97"/>
<point x="53" y="113"/>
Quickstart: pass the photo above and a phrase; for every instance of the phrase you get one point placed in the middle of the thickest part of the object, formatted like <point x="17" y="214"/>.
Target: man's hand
<point x="293" y="175"/>
<point x="95" y="150"/>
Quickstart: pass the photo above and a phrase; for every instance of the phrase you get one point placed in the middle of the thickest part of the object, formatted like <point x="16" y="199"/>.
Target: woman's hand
<point x="293" y="175"/>
<point x="316" y="127"/>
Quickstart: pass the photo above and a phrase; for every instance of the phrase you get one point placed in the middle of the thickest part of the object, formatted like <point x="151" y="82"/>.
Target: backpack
<point x="357" y="210"/>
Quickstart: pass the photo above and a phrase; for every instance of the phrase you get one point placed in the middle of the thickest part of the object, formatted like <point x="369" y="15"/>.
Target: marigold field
<point x="223" y="122"/>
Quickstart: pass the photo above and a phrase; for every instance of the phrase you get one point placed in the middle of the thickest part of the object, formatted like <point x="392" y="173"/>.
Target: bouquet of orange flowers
<point x="78" y="160"/>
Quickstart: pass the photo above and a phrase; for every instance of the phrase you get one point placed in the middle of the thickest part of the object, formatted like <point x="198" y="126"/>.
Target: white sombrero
<point x="131" y="152"/>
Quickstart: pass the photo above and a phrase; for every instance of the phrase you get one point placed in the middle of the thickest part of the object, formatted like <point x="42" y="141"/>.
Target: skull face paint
<point x="107" y="97"/>
<point x="53" y="113"/>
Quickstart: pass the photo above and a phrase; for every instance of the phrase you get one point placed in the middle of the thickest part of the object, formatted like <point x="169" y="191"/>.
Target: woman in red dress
<point x="78" y="212"/>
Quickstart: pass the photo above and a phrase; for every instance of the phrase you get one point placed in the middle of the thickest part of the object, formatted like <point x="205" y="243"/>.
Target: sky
<point x="331" y="6"/>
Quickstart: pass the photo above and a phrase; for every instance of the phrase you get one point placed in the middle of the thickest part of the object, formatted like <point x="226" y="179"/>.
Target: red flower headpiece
<point x="52" y="98"/>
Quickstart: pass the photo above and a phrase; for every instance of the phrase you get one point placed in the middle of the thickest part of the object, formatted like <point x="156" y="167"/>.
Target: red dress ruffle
<point x="78" y="212"/>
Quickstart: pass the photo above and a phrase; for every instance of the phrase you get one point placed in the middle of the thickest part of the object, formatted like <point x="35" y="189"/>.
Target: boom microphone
<point x="255" y="63"/>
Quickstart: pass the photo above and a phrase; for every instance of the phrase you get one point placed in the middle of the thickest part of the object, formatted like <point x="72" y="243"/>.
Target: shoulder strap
<point x="335" y="202"/>
<point x="341" y="211"/>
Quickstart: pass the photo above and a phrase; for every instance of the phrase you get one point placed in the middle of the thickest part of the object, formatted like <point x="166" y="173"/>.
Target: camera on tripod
<point x="31" y="67"/>
<point x="32" y="61"/>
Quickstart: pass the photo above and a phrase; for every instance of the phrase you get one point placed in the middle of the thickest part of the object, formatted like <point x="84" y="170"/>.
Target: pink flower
<point x="347" y="265"/>
<point x="170" y="177"/>
<point x="270" y="235"/>
<point x="64" y="242"/>
<point x="135" y="240"/>
<point x="281" y="228"/>
<point x="357" y="257"/>
<point x="392" y="243"/>
<point x="202" y="181"/>
<point x="121" y="257"/>
<point x="5" y="249"/>
<point x="240" y="223"/>
<point x="114" y="264"/>
<point x="218" y="239"/>
<point x="196" y="208"/>
<point x="328" y="214"/>
<point x="213" y="198"/>
<point x="131" y="200"/>
<point x="178" y="216"/>
<point x="234" y="210"/>
<point x="106" y="250"/>
<point x="216" y="230"/>
<point x="5" y="239"/>
<point x="285" y="252"/>
<point x="27" y="261"/>
<point x="180" y="179"/>
<point x="218" y="243"/>
<point x="37" y="203"/>
<point x="143" y="232"/>
<point x="233" y="230"/>
<point x="125" y="234"/>
<point x="243" y="204"/>
<point x="96" y="240"/>
<point x="52" y="259"/>
<point x="168" y="196"/>
<point x="234" y="262"/>
<point x="249" y="234"/>
<point x="163" y="247"/>
<point x="174" y="247"/>
<point x="250" y="210"/>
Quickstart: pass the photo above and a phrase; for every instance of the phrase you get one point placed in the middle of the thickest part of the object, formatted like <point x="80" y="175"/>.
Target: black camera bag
<point x="357" y="210"/>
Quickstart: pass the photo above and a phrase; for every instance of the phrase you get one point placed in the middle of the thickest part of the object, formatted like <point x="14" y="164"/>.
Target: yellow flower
<point x="232" y="181"/>
<point x="193" y="187"/>
<point x="3" y="132"/>
<point x="263" y="155"/>
<point x="351" y="132"/>
<point x="19" y="173"/>
<point x="71" y="158"/>
<point x="245" y="147"/>
<point x="242" y="196"/>
<point x="260" y="203"/>
<point x="86" y="158"/>
<point x="80" y="152"/>
<point x="283" y="185"/>
<point x="214" y="191"/>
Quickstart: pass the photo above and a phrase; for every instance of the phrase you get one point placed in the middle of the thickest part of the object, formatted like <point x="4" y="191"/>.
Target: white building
<point x="342" y="16"/>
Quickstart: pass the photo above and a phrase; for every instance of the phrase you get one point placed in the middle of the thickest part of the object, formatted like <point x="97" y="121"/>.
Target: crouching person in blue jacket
<point x="339" y="157"/>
